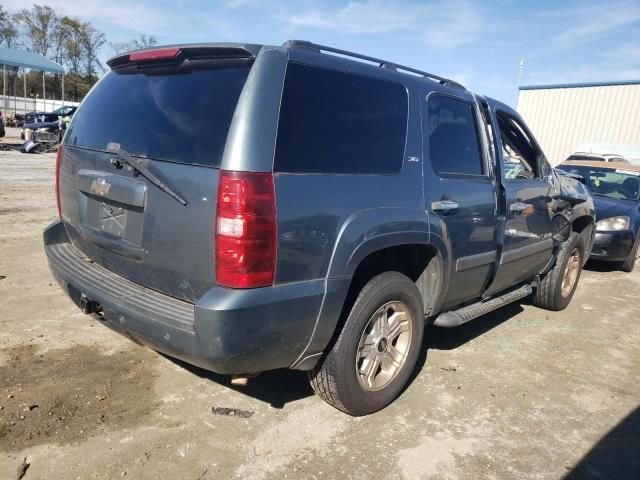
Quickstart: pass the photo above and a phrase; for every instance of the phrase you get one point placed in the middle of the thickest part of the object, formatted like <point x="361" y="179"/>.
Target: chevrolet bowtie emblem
<point x="100" y="187"/>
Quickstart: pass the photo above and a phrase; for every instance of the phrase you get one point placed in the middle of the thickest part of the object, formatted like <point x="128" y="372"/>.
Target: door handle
<point x="444" y="206"/>
<point x="518" y="207"/>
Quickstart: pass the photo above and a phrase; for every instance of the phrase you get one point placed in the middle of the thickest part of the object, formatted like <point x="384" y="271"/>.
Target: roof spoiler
<point x="177" y="54"/>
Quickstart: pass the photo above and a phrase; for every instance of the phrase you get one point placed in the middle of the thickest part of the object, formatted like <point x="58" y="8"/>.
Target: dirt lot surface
<point x="521" y="393"/>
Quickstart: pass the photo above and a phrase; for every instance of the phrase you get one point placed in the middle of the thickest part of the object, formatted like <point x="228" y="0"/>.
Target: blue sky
<point x="477" y="43"/>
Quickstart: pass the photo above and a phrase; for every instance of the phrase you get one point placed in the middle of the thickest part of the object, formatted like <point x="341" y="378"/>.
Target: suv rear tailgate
<point x="131" y="227"/>
<point x="173" y="118"/>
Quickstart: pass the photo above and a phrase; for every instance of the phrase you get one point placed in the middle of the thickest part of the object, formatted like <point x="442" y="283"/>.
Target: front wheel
<point x="557" y="287"/>
<point x="630" y="262"/>
<point x="373" y="357"/>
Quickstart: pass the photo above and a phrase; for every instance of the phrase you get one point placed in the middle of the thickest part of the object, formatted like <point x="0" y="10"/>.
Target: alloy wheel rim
<point x="384" y="346"/>
<point x="570" y="273"/>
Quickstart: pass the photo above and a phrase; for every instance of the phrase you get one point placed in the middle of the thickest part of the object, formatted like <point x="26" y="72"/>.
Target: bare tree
<point x="144" y="41"/>
<point x="120" y="47"/>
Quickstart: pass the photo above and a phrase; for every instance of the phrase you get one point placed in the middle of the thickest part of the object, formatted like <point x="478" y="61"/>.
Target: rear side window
<point x="335" y="122"/>
<point x="453" y="137"/>
<point x="180" y="117"/>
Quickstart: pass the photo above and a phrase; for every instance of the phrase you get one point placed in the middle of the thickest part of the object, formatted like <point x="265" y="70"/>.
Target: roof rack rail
<point x="314" y="47"/>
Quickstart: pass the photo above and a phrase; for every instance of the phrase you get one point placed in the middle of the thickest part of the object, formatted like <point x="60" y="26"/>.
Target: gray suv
<point x="248" y="207"/>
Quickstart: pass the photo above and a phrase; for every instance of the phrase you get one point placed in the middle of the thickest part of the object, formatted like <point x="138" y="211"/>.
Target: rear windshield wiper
<point x="138" y="166"/>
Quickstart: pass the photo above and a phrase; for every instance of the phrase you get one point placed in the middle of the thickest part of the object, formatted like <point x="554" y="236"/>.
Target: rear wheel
<point x="557" y="287"/>
<point x="630" y="262"/>
<point x="373" y="357"/>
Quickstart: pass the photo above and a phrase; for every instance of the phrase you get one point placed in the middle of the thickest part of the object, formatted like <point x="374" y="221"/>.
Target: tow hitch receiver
<point x="89" y="306"/>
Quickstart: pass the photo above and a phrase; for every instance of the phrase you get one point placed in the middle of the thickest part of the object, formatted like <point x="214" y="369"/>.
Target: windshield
<point x="62" y="110"/>
<point x="181" y="117"/>
<point x="608" y="182"/>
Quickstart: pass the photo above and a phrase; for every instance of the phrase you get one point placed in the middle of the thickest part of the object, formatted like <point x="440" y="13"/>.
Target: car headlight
<point x="613" y="224"/>
<point x="44" y="129"/>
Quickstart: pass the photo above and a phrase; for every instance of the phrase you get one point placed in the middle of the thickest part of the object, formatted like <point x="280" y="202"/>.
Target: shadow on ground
<point x="601" y="266"/>
<point x="615" y="456"/>
<point x="439" y="338"/>
<point x="280" y="387"/>
<point x="275" y="387"/>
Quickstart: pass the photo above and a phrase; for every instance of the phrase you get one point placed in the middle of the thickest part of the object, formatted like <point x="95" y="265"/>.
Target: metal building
<point x="570" y="117"/>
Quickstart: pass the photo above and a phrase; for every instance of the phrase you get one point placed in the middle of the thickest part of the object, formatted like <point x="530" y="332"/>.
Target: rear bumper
<point x="227" y="331"/>
<point x="612" y="246"/>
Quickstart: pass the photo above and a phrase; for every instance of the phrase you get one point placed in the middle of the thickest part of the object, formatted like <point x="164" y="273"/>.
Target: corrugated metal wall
<point x="563" y="118"/>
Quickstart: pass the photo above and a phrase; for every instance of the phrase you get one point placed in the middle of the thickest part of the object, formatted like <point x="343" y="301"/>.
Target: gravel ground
<point x="520" y="393"/>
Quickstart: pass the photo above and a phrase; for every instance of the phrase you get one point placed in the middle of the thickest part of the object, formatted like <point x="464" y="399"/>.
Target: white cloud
<point x="368" y="17"/>
<point x="464" y="76"/>
<point x="627" y="54"/>
<point x="242" y="3"/>
<point x="616" y="64"/>
<point x="587" y="73"/>
<point x="441" y="24"/>
<point x="122" y="14"/>
<point x="590" y="22"/>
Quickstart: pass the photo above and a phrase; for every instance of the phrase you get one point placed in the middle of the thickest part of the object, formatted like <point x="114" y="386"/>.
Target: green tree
<point x="65" y="40"/>
<point x="71" y="35"/>
<point x="40" y="24"/>
<point x="94" y="40"/>
<point x="8" y="31"/>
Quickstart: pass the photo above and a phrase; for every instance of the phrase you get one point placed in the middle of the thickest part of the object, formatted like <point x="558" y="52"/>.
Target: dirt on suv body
<point x="246" y="208"/>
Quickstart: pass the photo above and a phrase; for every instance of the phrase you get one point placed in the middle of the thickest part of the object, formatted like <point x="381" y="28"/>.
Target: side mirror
<point x="580" y="178"/>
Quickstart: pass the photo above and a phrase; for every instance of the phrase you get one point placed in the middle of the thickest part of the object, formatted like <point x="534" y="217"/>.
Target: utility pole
<point x="4" y="87"/>
<point x="44" y="94"/>
<point x="24" y="88"/>
<point x="519" y="79"/>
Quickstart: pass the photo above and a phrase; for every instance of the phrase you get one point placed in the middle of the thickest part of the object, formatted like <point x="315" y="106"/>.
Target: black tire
<point x="549" y="294"/>
<point x="335" y="379"/>
<point x="630" y="262"/>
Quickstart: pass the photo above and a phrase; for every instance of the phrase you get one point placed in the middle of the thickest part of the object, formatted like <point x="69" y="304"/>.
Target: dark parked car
<point x="39" y="117"/>
<point x="246" y="208"/>
<point x="616" y="190"/>
<point x="46" y="120"/>
<point x="35" y="117"/>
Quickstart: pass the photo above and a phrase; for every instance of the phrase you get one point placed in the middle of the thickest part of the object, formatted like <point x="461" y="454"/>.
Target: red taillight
<point x="58" y="162"/>
<point x="245" y="230"/>
<point x="157" y="54"/>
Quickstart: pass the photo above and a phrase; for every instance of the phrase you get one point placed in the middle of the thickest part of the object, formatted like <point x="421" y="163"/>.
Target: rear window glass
<point x="336" y="122"/>
<point x="589" y="158"/>
<point x="181" y="118"/>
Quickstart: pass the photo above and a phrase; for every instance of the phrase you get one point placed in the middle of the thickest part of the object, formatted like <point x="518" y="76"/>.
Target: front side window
<point x="452" y="133"/>
<point x="518" y="150"/>
<point x="338" y="122"/>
